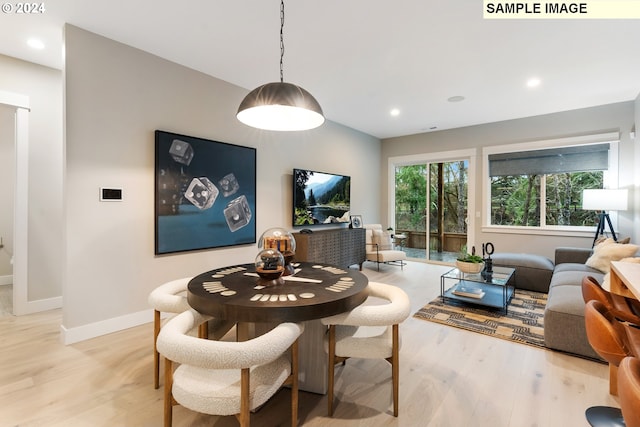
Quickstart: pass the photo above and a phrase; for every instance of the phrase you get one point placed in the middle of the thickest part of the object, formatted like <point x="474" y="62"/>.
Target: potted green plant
<point x="469" y="263"/>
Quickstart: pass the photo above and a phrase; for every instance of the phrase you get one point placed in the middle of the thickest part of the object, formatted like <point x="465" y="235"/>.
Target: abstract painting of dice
<point x="205" y="193"/>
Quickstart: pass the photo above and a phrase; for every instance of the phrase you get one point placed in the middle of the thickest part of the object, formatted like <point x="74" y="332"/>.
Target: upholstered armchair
<point x="379" y="247"/>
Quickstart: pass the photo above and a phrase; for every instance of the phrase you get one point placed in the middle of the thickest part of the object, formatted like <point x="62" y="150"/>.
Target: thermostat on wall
<point x="110" y="194"/>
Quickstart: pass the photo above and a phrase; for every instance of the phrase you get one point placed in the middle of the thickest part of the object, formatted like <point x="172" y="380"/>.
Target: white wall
<point x="617" y="117"/>
<point x="115" y="97"/>
<point x="43" y="87"/>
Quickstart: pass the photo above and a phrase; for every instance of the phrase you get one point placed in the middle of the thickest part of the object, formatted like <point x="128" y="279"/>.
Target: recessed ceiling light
<point x="35" y="43"/>
<point x="456" y="98"/>
<point x="533" y="82"/>
<point x="394" y="112"/>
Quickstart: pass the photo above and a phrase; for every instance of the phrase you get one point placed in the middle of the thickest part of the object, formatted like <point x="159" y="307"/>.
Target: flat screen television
<point x="320" y="198"/>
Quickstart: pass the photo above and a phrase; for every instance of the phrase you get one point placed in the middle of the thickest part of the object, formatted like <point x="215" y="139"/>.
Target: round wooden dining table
<point x="315" y="291"/>
<point x="237" y="294"/>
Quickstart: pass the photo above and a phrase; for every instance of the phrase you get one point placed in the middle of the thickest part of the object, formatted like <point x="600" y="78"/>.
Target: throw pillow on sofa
<point x="608" y="251"/>
<point x="609" y="239"/>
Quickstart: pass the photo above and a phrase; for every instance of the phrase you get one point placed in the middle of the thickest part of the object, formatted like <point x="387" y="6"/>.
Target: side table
<point x="399" y="240"/>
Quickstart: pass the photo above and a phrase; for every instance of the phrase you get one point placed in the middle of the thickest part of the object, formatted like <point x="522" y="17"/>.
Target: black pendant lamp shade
<point x="280" y="106"/>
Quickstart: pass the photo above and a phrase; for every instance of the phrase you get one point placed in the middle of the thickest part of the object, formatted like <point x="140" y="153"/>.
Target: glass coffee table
<point x="494" y="291"/>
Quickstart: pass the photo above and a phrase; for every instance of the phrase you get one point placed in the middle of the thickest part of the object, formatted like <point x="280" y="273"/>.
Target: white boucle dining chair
<point x="369" y="331"/>
<point x="224" y="377"/>
<point x="171" y="297"/>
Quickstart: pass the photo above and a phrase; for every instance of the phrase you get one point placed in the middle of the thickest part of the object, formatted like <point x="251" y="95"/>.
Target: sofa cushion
<point x="572" y="274"/>
<point x="566" y="254"/>
<point x="608" y="251"/>
<point x="564" y="327"/>
<point x="386" y="256"/>
<point x="533" y="272"/>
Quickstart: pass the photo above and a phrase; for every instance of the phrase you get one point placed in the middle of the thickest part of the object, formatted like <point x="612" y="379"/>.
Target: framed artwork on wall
<point x="205" y="193"/>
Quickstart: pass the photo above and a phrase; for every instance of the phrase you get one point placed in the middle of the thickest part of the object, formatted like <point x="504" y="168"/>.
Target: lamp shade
<point x="604" y="200"/>
<point x="280" y="106"/>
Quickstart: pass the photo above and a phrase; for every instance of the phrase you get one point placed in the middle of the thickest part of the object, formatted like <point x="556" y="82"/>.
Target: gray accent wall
<point x="116" y="96"/>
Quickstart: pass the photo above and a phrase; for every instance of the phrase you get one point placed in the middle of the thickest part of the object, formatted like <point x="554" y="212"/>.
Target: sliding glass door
<point x="433" y="197"/>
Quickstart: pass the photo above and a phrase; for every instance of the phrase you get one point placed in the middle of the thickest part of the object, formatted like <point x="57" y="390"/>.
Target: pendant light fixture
<point x="280" y="106"/>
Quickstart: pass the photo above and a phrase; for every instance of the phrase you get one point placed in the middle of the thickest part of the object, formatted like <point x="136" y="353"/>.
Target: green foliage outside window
<point x="411" y="196"/>
<point x="516" y="200"/>
<point x="564" y="198"/>
<point x="454" y="201"/>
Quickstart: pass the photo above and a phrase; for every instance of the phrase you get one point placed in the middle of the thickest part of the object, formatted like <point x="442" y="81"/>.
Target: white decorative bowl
<point x="470" y="267"/>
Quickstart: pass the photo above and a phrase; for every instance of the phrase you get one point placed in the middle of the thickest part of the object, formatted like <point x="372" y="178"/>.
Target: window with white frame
<point x="541" y="186"/>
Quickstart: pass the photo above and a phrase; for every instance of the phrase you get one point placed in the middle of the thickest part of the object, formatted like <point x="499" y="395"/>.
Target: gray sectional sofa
<point x="564" y="328"/>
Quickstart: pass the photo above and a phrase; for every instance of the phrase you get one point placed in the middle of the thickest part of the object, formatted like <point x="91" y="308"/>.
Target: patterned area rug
<point x="523" y="323"/>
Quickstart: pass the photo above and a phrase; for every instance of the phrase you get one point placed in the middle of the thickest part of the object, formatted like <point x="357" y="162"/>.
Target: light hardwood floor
<point x="448" y="377"/>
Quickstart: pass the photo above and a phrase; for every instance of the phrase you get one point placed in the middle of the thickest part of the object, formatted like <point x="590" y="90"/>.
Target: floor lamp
<point x="603" y="201"/>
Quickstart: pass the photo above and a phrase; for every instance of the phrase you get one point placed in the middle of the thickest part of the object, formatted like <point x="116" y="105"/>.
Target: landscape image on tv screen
<point x="320" y="198"/>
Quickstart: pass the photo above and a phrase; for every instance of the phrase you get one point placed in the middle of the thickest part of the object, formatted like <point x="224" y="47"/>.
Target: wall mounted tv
<point x="320" y="198"/>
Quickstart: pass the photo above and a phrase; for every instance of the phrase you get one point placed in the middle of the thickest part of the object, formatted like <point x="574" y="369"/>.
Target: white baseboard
<point x="6" y="280"/>
<point x="37" y="306"/>
<point x="92" y="330"/>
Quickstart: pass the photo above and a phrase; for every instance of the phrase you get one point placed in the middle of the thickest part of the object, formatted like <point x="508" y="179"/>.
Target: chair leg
<point x="294" y="384"/>
<point x="156" y="355"/>
<point x="203" y="331"/>
<point x="395" y="369"/>
<point x="168" y="396"/>
<point x="331" y="368"/>
<point x="613" y="379"/>
<point x="244" y="417"/>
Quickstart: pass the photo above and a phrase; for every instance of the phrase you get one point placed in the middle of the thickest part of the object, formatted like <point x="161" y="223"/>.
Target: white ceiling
<point x="361" y="58"/>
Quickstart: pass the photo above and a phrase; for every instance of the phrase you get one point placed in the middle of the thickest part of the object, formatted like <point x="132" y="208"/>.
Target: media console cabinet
<point x="342" y="247"/>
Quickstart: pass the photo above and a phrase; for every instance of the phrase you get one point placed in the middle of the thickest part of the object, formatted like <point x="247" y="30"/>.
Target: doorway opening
<point x="7" y="177"/>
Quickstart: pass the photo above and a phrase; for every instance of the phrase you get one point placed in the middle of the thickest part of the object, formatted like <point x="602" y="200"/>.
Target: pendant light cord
<point x="281" y="40"/>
